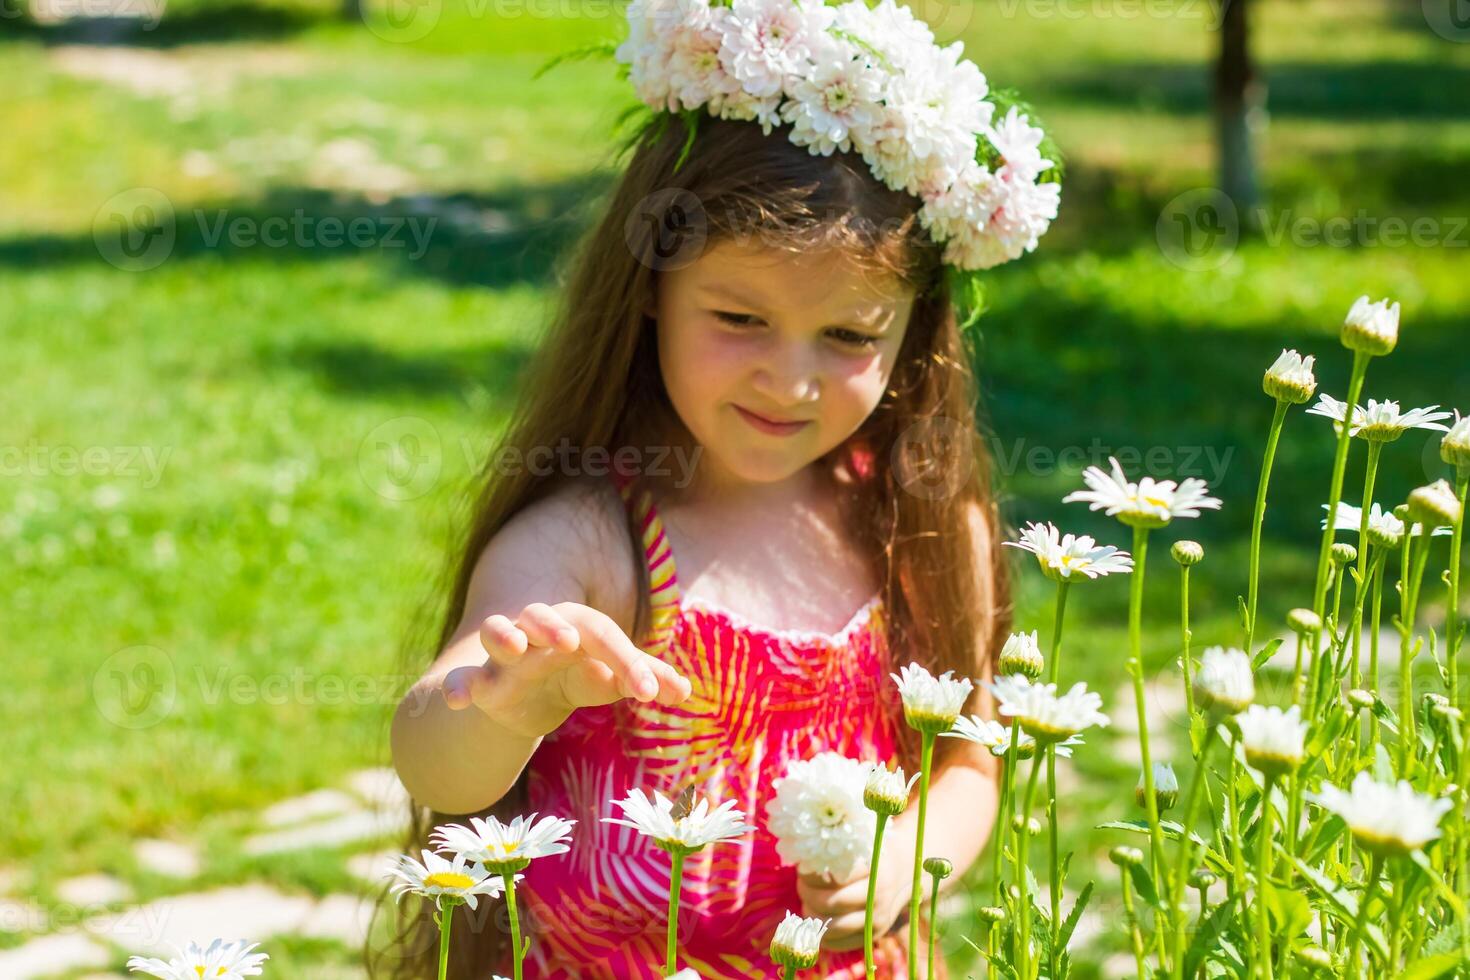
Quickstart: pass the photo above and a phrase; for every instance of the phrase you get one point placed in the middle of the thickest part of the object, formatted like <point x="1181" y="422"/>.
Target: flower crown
<point x="852" y="77"/>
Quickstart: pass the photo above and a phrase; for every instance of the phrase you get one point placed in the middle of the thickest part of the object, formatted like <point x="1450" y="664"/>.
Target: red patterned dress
<point x="760" y="698"/>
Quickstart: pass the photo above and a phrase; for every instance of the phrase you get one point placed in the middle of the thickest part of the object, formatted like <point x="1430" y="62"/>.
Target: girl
<point x="762" y="490"/>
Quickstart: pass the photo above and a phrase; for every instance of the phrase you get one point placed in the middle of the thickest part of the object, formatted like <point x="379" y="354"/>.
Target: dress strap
<point x="663" y="582"/>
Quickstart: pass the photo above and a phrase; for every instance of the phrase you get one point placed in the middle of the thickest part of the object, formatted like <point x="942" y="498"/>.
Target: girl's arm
<point x="529" y="649"/>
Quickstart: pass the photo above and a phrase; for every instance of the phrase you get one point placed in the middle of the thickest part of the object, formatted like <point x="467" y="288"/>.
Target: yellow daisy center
<point x="448" y="879"/>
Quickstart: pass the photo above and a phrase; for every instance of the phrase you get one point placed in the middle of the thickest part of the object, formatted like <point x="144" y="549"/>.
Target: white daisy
<point x="1042" y="713"/>
<point x="1062" y="557"/>
<point x="508" y="847"/>
<point x="1382" y="525"/>
<point x="931" y="704"/>
<point x="818" y="815"/>
<point x="1381" y="421"/>
<point x="885" y="791"/>
<point x="1386" y="819"/>
<point x="1454" y="449"/>
<point x="838" y="100"/>
<point x="1148" y="503"/>
<point x="1290" y="379"/>
<point x="1435" y="505"/>
<point x="997" y="737"/>
<point x="1274" y="740"/>
<point x="1021" y="655"/>
<point x="1225" y="681"/>
<point x="766" y="40"/>
<point x="798" y="941"/>
<point x="653" y="817"/>
<point x="1371" y="327"/>
<point x="222" y="960"/>
<point x="439" y="879"/>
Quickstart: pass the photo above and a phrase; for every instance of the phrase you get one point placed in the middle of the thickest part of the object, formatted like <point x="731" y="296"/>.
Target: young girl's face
<point x="773" y="359"/>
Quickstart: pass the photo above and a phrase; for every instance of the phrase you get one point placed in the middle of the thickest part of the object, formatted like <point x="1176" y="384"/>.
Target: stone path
<point x="98" y="921"/>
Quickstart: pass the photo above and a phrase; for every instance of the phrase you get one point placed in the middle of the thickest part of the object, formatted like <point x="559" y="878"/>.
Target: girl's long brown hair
<point x="923" y="509"/>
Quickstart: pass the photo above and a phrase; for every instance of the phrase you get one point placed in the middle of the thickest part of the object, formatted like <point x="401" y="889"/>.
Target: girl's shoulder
<point x="580" y="527"/>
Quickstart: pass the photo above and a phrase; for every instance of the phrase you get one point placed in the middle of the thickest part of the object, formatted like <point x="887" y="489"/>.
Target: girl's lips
<point x="771" y="426"/>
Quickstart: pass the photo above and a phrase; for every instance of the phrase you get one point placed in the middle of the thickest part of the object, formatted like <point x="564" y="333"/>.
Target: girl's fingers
<point x="463" y="685"/>
<point x="545" y="627"/>
<point x="826" y="900"/>
<point x="503" y="640"/>
<point x="639" y="675"/>
<point x="845" y="931"/>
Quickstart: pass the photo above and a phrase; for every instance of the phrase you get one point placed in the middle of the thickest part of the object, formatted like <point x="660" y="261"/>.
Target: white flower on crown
<point x="867" y="80"/>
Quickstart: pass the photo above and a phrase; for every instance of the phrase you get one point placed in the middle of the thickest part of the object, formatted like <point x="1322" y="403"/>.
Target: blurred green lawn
<point x="270" y="548"/>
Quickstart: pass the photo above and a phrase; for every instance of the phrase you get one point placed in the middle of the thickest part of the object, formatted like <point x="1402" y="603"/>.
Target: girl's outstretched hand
<point x="553" y="659"/>
<point x="845" y="902"/>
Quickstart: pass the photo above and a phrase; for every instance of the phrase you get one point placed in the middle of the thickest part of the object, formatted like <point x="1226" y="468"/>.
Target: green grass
<point x="261" y="378"/>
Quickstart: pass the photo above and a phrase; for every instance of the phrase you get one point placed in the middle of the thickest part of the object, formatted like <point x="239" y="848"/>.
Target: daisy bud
<point x="798" y="941"/>
<point x="1455" y="448"/>
<point x="1202" y="878"/>
<point x="886" y="792"/>
<point x="940" y="868"/>
<point x="1187" y="553"/>
<point x="1126" y="857"/>
<point x="1383" y="534"/>
<point x="1274" y="740"/>
<point x="1372" y="328"/>
<point x="1360" y="699"/>
<point x="1304" y="621"/>
<point x="1031" y="826"/>
<point x="1343" y="554"/>
<point x="1316" y="958"/>
<point x="1435" y="505"/>
<point x="1402" y="512"/>
<point x="1225" y="682"/>
<point x="1021" y="655"/>
<point x="931" y="704"/>
<point x="1166" y="788"/>
<point x="1290" y="379"/>
<point x="991" y="914"/>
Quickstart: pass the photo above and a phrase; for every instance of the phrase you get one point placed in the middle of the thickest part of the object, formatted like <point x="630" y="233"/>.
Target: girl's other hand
<point x="845" y="902"/>
<point x="551" y="660"/>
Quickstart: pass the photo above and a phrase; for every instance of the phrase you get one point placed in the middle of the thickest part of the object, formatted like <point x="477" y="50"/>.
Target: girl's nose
<point x="788" y="386"/>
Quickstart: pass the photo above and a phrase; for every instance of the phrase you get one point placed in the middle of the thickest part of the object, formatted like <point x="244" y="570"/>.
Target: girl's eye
<point x="734" y="319"/>
<point x="851" y="338"/>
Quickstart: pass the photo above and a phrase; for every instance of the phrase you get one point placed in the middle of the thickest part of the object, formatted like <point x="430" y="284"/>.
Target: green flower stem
<point x="1237" y="846"/>
<point x="1185" y="637"/>
<point x="1185" y="860"/>
<point x="1375" y="867"/>
<point x="1135" y="937"/>
<point x="445" y="918"/>
<point x="1410" y="608"/>
<point x="1005" y="811"/>
<point x="1380" y="563"/>
<point x="1298" y="679"/>
<point x="790" y="973"/>
<point x="1054" y="662"/>
<point x="676" y="885"/>
<point x="1135" y="667"/>
<point x="1453" y="627"/>
<point x="917" y="894"/>
<point x="872" y="894"/>
<point x="1395" y="923"/>
<point x="1339" y="469"/>
<point x="933" y="904"/>
<point x="1360" y="592"/>
<point x="1252" y="589"/>
<point x="1263" y="865"/>
<point x="517" y="949"/>
<point x="1023" y="911"/>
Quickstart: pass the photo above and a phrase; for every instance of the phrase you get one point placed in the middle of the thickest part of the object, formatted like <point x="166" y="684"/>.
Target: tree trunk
<point x="1240" y="98"/>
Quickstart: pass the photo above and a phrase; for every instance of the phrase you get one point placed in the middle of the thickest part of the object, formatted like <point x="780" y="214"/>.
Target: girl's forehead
<point x="774" y="276"/>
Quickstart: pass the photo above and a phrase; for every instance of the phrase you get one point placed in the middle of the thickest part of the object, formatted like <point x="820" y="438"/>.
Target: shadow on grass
<point x="359" y="369"/>
<point x="201" y="25"/>
<point x="495" y="239"/>
<point x="1370" y="90"/>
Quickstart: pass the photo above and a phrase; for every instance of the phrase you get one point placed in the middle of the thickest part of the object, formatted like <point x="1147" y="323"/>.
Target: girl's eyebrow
<point x="734" y="296"/>
<point x="869" y="319"/>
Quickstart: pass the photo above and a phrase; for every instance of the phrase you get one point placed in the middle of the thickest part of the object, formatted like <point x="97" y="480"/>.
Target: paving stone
<point x="94" y="889"/>
<point x="349" y="828"/>
<point x="254" y="912"/>
<point x="48" y="955"/>
<point x="380" y="788"/>
<point x="166" y="857"/>
<point x="342" y="917"/>
<point x="321" y="803"/>
<point x="371" y="867"/>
